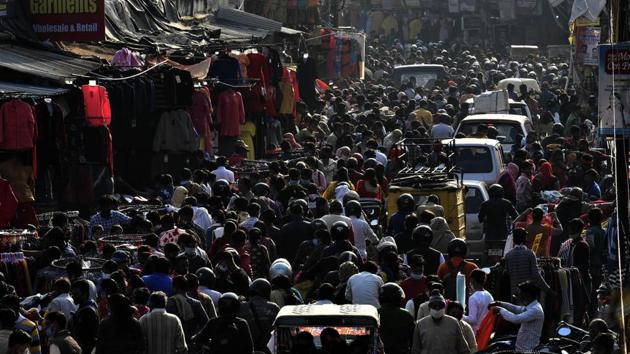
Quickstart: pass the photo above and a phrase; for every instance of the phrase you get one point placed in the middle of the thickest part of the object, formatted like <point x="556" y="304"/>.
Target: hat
<point x="436" y="297"/>
<point x="241" y="144"/>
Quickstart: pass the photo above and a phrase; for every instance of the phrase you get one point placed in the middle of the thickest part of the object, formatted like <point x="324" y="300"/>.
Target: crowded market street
<point x="302" y="177"/>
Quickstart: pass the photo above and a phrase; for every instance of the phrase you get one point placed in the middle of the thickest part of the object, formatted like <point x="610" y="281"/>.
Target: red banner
<point x="68" y="20"/>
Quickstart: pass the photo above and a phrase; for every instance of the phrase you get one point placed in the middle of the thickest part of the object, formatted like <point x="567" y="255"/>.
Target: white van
<point x="476" y="193"/>
<point x="519" y="108"/>
<point x="508" y="125"/>
<point x="478" y="159"/>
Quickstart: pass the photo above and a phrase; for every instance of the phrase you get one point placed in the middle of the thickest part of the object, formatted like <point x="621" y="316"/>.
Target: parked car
<point x="475" y="193"/>
<point x="518" y="108"/>
<point x="508" y="125"/>
<point x="477" y="159"/>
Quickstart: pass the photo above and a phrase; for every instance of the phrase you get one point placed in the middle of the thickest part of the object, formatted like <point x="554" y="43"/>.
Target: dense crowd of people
<point x="226" y="251"/>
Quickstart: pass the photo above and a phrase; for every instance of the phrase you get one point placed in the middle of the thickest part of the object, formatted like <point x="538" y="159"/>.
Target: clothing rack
<point x="121" y="78"/>
<point x="549" y="262"/>
<point x="44" y="217"/>
<point x="11" y="257"/>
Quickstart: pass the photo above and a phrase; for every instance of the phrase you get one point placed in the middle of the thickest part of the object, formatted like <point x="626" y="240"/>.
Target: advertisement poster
<point x="68" y="20"/>
<point x="614" y="89"/>
<point x="587" y="40"/>
<point x="6" y="8"/>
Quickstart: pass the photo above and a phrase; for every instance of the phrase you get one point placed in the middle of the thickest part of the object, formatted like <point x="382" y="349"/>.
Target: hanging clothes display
<point x="126" y="58"/>
<point x="8" y="204"/>
<point x="229" y="117"/>
<point x="96" y="105"/>
<point x="201" y="115"/>
<point x="18" y="127"/>
<point x="226" y="69"/>
<point x="175" y="133"/>
<point x="15" y="269"/>
<point x="51" y="141"/>
<point x="306" y="76"/>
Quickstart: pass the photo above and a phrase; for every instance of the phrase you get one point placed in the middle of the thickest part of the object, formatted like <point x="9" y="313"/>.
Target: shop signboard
<point x="587" y="39"/>
<point x="453" y="6"/>
<point x="467" y="5"/>
<point x="614" y="89"/>
<point x="68" y="20"/>
<point x="6" y="8"/>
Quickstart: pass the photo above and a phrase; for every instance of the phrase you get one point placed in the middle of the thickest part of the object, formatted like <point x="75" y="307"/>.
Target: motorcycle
<point x="568" y="340"/>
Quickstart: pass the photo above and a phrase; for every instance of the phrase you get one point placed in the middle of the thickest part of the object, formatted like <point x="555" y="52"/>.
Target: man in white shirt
<point x="360" y="228"/>
<point x="162" y="331"/>
<point x="363" y="288"/>
<point x="335" y="214"/>
<point x="62" y="300"/>
<point x="478" y="302"/>
<point x="223" y="173"/>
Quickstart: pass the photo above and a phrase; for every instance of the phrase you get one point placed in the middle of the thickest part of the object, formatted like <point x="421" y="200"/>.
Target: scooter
<point x="567" y="341"/>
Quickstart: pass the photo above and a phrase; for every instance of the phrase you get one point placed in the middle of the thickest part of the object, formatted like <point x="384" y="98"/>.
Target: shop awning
<point x="242" y="19"/>
<point x="44" y="64"/>
<point x="30" y="90"/>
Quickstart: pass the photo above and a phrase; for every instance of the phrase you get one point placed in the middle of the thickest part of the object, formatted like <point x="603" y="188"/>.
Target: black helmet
<point x="261" y="189"/>
<point x="349" y="196"/>
<point x="391" y="293"/>
<point x="348" y="256"/>
<point x="495" y="191"/>
<point x="319" y="224"/>
<point x="220" y="187"/>
<point x="228" y="305"/>
<point x="260" y="287"/>
<point x="457" y="247"/>
<point x="206" y="276"/>
<point x="339" y="231"/>
<point x="405" y="202"/>
<point x="353" y="207"/>
<point x="422" y="234"/>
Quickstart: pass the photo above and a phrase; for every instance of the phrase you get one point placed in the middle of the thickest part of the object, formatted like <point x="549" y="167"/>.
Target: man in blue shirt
<point x="108" y="216"/>
<point x="160" y="279"/>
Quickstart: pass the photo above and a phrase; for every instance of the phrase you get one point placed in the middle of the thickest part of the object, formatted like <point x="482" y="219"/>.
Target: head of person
<point x="528" y="292"/>
<point x="595" y="216"/>
<point x="61" y="286"/>
<point x="326" y="291"/>
<point x="370" y="267"/>
<point x="157" y="300"/>
<point x="422" y="236"/>
<point x="19" y="342"/>
<point x="537" y="215"/>
<point x="575" y="227"/>
<point x="437" y="305"/>
<point x="455" y="309"/>
<point x="80" y="291"/>
<point x="55" y="321"/>
<point x="206" y="277"/>
<point x="260" y="287"/>
<point x="603" y="344"/>
<point x="519" y="235"/>
<point x="457" y="248"/>
<point x="597" y="327"/>
<point x="478" y="278"/>
<point x="416" y="265"/>
<point x="391" y="294"/>
<point x="228" y="305"/>
<point x="406" y="203"/>
<point x="107" y="203"/>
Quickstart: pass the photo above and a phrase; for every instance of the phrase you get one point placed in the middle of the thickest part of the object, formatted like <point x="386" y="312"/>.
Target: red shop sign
<point x="617" y="60"/>
<point x="68" y="20"/>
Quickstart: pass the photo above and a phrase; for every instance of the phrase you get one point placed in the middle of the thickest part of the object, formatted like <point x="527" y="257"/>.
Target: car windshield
<point x="422" y="78"/>
<point x="473" y="200"/>
<point x="473" y="159"/>
<point x="518" y="110"/>
<point x="506" y="129"/>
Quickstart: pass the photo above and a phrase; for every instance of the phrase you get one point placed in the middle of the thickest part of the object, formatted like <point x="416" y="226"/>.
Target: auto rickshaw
<point x="445" y="182"/>
<point x="350" y="321"/>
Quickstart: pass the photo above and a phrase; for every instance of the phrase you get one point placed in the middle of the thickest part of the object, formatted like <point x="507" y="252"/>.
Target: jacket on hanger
<point x="96" y="102"/>
<point x="175" y="133"/>
<point x="230" y="113"/>
<point x="18" y="128"/>
<point x="201" y="115"/>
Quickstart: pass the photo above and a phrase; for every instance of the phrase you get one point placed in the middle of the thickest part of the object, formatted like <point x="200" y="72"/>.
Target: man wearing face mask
<point x="416" y="283"/>
<point x="197" y="257"/>
<point x="438" y="333"/>
<point x="530" y="316"/>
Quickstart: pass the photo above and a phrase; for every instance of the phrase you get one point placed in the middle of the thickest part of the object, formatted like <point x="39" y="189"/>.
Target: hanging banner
<point x="614" y="89"/>
<point x="68" y="20"/>
<point x="467" y="5"/>
<point x="453" y="6"/>
<point x="587" y="40"/>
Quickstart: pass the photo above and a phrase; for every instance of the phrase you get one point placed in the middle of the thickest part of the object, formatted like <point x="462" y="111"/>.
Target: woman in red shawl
<point x="290" y="138"/>
<point x="545" y="180"/>
<point x="508" y="181"/>
<point x="368" y="186"/>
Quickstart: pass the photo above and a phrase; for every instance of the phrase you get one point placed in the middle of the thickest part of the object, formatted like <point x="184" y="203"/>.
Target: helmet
<point x="457" y="247"/>
<point x="260" y="287"/>
<point x="280" y="267"/>
<point x="206" y="276"/>
<point x="261" y="189"/>
<point x="495" y="191"/>
<point x="339" y="230"/>
<point x="350" y="195"/>
<point x="422" y="234"/>
<point x="353" y="207"/>
<point x="319" y="224"/>
<point x="228" y="305"/>
<point x="391" y="293"/>
<point x="348" y="256"/>
<point x="405" y="202"/>
<point x="220" y="187"/>
<point x="532" y="75"/>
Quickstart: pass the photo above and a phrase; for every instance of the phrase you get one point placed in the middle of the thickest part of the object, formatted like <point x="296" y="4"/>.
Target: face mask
<point x="415" y="276"/>
<point x="189" y="251"/>
<point x="106" y="276"/>
<point x="315" y="242"/>
<point x="49" y="332"/>
<point x="436" y="314"/>
<point x="223" y="268"/>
